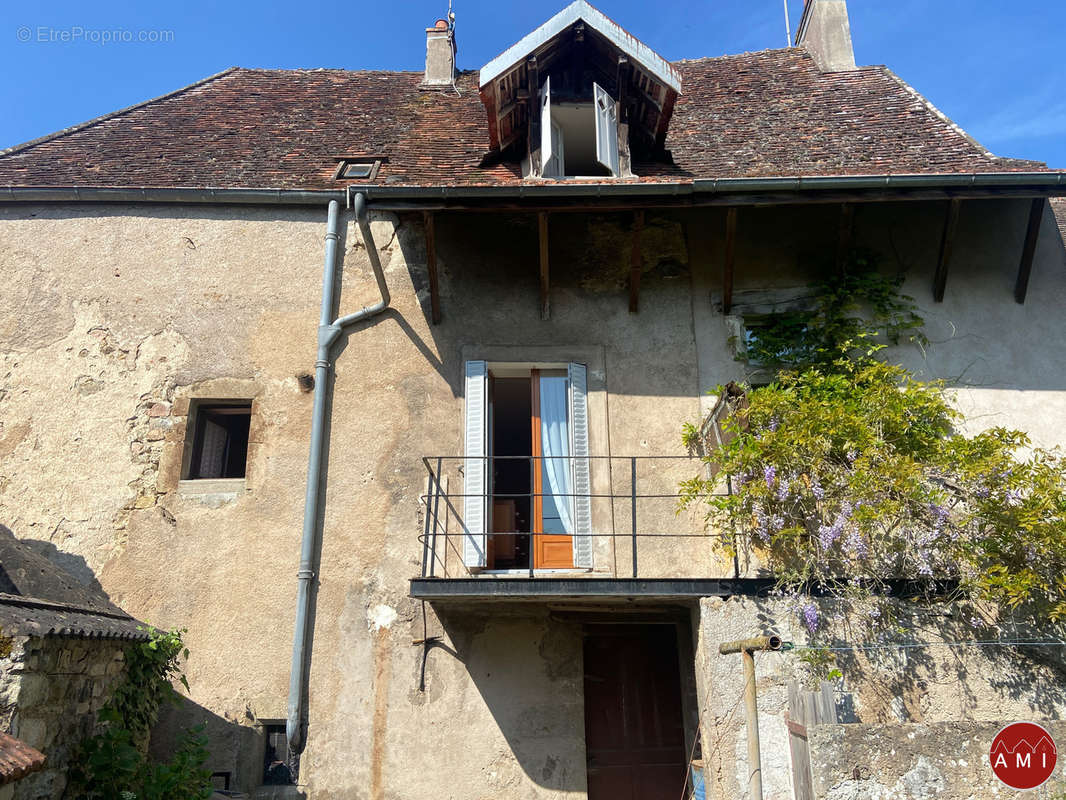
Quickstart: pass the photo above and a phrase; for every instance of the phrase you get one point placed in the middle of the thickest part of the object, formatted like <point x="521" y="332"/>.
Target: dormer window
<point x="579" y="98"/>
<point x="579" y="139"/>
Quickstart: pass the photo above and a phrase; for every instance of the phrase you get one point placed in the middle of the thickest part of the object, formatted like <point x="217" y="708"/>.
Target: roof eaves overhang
<point x="647" y="58"/>
<point x="724" y="190"/>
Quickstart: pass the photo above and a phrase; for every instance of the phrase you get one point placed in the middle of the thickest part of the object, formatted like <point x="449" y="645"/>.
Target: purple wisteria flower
<point x="769" y="474"/>
<point x="857" y="544"/>
<point x="809" y="614"/>
<point x="817" y="490"/>
<point x="1014" y="497"/>
<point x="774" y="424"/>
<point x="940" y="515"/>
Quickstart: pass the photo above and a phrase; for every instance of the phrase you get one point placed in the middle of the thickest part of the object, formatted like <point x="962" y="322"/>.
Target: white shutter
<point x="475" y="464"/>
<point x="549" y="135"/>
<point x="579" y="451"/>
<point x="606" y="128"/>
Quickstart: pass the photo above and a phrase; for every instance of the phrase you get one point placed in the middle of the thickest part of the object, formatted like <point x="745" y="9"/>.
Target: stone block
<point x="159" y="410"/>
<point x="33" y="690"/>
<point x="33" y="731"/>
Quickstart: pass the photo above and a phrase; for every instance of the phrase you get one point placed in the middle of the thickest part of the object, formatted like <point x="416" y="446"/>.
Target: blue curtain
<point x="555" y="441"/>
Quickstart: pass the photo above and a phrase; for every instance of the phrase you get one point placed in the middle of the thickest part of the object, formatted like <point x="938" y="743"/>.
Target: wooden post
<point x="847" y="226"/>
<point x="635" y="263"/>
<point x="431" y="264"/>
<point x="730" y="256"/>
<point x="947" y="240"/>
<point x="545" y="287"/>
<point x="1032" y="234"/>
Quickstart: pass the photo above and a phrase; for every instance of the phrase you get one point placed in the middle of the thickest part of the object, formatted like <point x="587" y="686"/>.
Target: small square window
<point x="358" y="169"/>
<point x="217" y="439"/>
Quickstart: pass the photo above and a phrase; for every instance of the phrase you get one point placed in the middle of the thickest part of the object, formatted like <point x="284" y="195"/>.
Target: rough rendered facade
<point x="123" y="322"/>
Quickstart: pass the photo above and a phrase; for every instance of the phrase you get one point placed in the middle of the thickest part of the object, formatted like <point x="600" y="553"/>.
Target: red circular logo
<point x="1023" y="755"/>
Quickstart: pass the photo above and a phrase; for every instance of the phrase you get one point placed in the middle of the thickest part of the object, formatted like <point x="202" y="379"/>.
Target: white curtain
<point x="555" y="441"/>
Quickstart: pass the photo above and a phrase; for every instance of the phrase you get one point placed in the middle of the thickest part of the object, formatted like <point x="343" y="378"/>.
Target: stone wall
<point x="937" y="682"/>
<point x="915" y="761"/>
<point x="50" y="691"/>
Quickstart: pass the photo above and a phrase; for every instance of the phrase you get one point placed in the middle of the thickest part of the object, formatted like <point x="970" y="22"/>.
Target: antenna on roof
<point x="451" y="16"/>
<point x="788" y="28"/>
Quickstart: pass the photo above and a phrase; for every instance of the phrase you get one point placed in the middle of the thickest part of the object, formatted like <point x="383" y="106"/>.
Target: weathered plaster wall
<point x="938" y="683"/>
<point x="1004" y="360"/>
<point x="947" y="760"/>
<point x="129" y="313"/>
<point x="50" y="691"/>
<point x="113" y="317"/>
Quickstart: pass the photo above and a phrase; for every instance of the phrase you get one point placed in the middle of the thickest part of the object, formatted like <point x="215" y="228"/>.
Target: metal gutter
<point x="1040" y="183"/>
<point x="328" y="334"/>
<point x="73" y="194"/>
<point x="1041" y="180"/>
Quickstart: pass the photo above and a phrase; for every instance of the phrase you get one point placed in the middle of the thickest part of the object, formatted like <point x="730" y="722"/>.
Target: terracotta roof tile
<point x="17" y="759"/>
<point x="1058" y="208"/>
<point x="770" y="113"/>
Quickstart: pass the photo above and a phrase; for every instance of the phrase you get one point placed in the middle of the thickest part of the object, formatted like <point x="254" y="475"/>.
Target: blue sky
<point x="995" y="68"/>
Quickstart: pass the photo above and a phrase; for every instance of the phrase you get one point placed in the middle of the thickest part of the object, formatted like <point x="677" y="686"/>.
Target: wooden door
<point x="634" y="732"/>
<point x="550" y="551"/>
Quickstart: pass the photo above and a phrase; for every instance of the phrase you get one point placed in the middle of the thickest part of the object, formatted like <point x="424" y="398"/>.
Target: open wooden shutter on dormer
<point x="475" y="450"/>
<point x="551" y="156"/>
<point x="606" y="128"/>
<point x="579" y="451"/>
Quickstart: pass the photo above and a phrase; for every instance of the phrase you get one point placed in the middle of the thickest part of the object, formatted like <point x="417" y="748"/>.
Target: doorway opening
<point x="531" y="495"/>
<point x="635" y="734"/>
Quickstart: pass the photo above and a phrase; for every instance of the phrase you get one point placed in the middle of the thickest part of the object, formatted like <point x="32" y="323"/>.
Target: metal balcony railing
<point x="637" y="527"/>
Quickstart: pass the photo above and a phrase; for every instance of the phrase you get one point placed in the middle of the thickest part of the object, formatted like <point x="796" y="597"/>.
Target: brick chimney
<point x="440" y="55"/>
<point x="825" y="33"/>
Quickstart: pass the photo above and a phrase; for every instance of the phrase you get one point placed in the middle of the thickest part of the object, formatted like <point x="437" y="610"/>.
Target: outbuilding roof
<point x="37" y="598"/>
<point x="763" y="114"/>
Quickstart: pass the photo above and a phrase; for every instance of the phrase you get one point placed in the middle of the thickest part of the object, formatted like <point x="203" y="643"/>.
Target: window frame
<point x="198" y="416"/>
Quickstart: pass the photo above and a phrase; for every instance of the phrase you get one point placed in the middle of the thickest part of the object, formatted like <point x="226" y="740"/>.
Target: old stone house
<point x="533" y="275"/>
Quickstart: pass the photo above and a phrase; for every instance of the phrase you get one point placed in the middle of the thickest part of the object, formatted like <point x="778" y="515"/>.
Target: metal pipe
<point x="747" y="648"/>
<point x="328" y="334"/>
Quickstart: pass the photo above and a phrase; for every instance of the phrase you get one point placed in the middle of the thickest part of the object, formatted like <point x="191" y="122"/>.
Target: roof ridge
<point x="103" y="118"/>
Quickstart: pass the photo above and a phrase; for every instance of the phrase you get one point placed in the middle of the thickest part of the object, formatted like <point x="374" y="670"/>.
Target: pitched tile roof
<point x="17" y="759"/>
<point x="771" y="113"/>
<point x="1058" y="208"/>
<point x="37" y="598"/>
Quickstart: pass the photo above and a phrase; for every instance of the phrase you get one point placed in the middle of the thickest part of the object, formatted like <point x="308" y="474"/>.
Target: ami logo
<point x="1023" y="755"/>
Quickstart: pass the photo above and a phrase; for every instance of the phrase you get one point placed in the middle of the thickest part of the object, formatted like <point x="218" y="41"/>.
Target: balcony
<point x="511" y="543"/>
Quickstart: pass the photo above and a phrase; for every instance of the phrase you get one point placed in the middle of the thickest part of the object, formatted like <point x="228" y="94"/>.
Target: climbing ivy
<point x="848" y="472"/>
<point x="846" y="311"/>
<point x="114" y="763"/>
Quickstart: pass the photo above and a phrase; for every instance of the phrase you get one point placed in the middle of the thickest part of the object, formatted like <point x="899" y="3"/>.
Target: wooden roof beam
<point x="1032" y="234"/>
<point x="636" y="263"/>
<point x="728" y="266"/>
<point x="947" y="241"/>
<point x="431" y="265"/>
<point x="545" y="285"/>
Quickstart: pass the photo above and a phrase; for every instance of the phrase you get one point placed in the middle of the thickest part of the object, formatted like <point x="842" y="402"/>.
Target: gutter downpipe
<point x="328" y="334"/>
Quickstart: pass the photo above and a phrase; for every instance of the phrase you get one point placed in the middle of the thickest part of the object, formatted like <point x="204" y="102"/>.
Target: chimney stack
<point x="440" y="55"/>
<point x="826" y="34"/>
